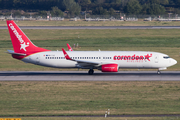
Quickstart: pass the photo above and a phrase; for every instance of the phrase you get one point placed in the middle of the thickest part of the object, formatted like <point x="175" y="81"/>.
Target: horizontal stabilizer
<point x="13" y="53"/>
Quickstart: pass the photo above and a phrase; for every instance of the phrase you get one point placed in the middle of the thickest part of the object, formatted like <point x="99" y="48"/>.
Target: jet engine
<point x="109" y="67"/>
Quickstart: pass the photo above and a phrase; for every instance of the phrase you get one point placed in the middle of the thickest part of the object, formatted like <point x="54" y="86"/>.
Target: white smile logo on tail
<point x="23" y="46"/>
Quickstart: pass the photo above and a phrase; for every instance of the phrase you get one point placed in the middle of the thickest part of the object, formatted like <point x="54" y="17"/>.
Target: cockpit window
<point x="166" y="57"/>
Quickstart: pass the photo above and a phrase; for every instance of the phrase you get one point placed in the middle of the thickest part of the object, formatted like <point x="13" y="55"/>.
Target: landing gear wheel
<point x="158" y="72"/>
<point x="91" y="71"/>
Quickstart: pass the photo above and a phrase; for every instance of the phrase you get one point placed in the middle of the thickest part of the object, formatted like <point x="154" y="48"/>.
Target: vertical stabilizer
<point x="21" y="43"/>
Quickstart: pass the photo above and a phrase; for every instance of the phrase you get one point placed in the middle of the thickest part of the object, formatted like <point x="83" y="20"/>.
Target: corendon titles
<point x="23" y="45"/>
<point x="16" y="33"/>
<point x="133" y="57"/>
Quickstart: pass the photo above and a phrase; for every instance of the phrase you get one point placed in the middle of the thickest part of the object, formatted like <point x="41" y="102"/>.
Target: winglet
<point x="66" y="55"/>
<point x="69" y="47"/>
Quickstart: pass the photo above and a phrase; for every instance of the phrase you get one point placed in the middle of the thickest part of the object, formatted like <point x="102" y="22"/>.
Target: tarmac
<point x="84" y="76"/>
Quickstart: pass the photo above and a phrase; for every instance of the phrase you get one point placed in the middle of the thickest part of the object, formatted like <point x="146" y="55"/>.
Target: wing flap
<point x="87" y="62"/>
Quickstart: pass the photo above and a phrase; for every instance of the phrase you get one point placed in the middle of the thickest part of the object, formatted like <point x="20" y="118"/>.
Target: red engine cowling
<point x="109" y="68"/>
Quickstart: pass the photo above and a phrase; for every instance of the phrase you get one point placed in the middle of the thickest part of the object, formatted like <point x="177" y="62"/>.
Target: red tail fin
<point x="21" y="43"/>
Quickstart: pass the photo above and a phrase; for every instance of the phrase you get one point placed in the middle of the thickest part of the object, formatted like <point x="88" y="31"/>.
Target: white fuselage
<point x="124" y="59"/>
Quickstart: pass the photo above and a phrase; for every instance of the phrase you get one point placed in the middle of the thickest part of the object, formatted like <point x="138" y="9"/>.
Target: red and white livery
<point x="106" y="61"/>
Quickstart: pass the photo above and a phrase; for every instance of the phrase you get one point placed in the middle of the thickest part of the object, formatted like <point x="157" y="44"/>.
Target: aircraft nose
<point x="173" y="61"/>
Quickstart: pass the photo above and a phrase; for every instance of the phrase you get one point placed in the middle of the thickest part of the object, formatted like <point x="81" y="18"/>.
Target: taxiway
<point x="83" y="76"/>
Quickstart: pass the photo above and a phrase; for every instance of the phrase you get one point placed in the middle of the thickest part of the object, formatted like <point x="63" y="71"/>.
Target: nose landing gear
<point x="158" y="72"/>
<point x="91" y="71"/>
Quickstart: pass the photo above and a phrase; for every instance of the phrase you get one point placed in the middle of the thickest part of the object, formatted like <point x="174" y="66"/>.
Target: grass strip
<point x="100" y="118"/>
<point x="94" y="23"/>
<point x="89" y="98"/>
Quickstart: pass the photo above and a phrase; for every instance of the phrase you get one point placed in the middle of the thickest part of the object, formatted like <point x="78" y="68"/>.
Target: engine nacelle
<point x="109" y="68"/>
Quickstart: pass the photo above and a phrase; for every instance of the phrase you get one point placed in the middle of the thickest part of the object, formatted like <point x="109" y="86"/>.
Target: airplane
<point x="105" y="61"/>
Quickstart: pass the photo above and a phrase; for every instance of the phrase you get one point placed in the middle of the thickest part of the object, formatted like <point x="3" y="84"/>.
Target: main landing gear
<point x="158" y="72"/>
<point x="91" y="71"/>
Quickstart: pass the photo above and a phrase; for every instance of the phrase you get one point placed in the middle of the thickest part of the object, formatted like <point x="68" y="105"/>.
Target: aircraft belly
<point x="65" y="63"/>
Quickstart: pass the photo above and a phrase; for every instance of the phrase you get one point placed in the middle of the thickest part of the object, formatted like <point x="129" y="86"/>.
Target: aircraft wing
<point x="81" y="62"/>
